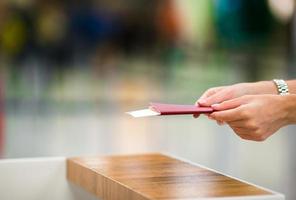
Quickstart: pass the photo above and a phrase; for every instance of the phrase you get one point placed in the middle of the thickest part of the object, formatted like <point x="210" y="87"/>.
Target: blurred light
<point x="196" y="21"/>
<point x="283" y="10"/>
<point x="22" y="3"/>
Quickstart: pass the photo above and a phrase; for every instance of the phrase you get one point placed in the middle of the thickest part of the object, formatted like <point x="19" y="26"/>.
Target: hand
<point x="253" y="117"/>
<point x="219" y="94"/>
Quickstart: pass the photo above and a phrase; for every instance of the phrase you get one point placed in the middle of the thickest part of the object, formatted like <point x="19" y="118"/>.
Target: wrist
<point x="292" y="86"/>
<point x="289" y="108"/>
<point x="262" y="87"/>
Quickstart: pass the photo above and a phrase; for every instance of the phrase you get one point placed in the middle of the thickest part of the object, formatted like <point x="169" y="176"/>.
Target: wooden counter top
<point x="156" y="176"/>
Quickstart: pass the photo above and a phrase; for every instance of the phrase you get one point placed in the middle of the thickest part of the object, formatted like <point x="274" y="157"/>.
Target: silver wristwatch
<point x="282" y="86"/>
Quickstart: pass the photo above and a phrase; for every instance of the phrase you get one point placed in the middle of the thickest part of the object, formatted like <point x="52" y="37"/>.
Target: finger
<point x="210" y="92"/>
<point x="227" y="115"/>
<point x="211" y="118"/>
<point x="207" y="94"/>
<point x="218" y="97"/>
<point x="220" y="123"/>
<point x="196" y="115"/>
<point x="226" y="105"/>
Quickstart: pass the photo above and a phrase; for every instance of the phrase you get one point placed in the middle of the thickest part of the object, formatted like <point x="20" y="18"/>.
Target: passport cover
<point x="156" y="109"/>
<point x="173" y="109"/>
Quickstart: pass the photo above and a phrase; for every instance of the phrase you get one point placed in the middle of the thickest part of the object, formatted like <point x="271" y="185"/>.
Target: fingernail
<point x="216" y="105"/>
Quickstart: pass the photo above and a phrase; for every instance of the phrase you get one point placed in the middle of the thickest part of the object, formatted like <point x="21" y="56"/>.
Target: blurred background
<point x="69" y="70"/>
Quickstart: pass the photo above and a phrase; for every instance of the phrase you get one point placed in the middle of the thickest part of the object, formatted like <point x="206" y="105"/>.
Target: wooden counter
<point x="156" y="176"/>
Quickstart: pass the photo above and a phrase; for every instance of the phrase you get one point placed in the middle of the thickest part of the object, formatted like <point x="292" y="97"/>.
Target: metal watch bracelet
<point x="282" y="86"/>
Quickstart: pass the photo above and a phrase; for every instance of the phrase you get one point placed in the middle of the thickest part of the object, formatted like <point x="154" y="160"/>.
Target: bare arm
<point x="290" y="101"/>
<point x="253" y="110"/>
<point x="292" y="86"/>
<point x="224" y="93"/>
<point x="256" y="117"/>
<point x="268" y="87"/>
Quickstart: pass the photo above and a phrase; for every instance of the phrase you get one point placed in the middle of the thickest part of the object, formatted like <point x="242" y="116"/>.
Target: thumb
<point x="214" y="99"/>
<point x="207" y="94"/>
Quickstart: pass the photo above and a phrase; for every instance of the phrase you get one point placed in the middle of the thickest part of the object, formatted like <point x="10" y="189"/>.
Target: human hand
<point x="219" y="94"/>
<point x="253" y="117"/>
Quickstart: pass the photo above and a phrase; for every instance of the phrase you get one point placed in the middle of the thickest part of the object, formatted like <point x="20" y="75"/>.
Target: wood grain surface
<point x="152" y="176"/>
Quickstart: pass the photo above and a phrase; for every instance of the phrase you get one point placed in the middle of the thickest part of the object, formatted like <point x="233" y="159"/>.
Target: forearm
<point x="289" y="101"/>
<point x="262" y="87"/>
<point x="289" y="107"/>
<point x="292" y="86"/>
<point x="269" y="87"/>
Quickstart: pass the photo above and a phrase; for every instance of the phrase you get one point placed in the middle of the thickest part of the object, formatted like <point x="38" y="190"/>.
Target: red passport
<point x="170" y="109"/>
<point x="173" y="109"/>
